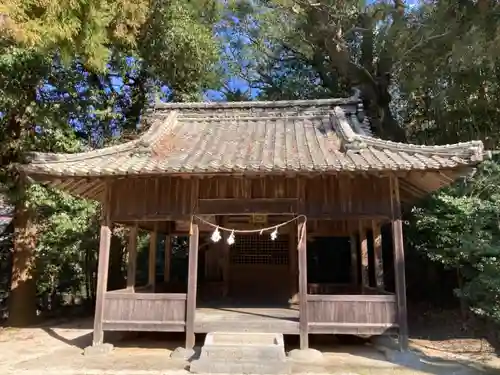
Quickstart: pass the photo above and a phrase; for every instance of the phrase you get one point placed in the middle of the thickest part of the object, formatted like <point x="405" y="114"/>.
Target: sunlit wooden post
<point x="103" y="268"/>
<point x="303" y="317"/>
<point x="192" y="285"/>
<point x="399" y="262"/>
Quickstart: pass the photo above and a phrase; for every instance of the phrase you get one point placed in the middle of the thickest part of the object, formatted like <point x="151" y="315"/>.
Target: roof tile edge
<point x="356" y="142"/>
<point x="143" y="143"/>
<point x="354" y="99"/>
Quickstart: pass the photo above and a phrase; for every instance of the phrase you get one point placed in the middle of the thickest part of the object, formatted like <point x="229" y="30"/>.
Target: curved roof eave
<point x="472" y="150"/>
<point x="145" y="141"/>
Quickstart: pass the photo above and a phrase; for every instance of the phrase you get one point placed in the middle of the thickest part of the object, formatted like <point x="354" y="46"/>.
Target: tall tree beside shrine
<point x="427" y="72"/>
<point x="90" y="66"/>
<point x="412" y="64"/>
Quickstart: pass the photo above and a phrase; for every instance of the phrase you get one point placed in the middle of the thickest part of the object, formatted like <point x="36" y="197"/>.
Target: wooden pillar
<point x="225" y="257"/>
<point x="377" y="255"/>
<point x="102" y="269"/>
<point x="354" y="260"/>
<point x="399" y="263"/>
<point x="293" y="267"/>
<point x="363" y="242"/>
<point x="302" y="257"/>
<point x="225" y="267"/>
<point x="192" y="284"/>
<point x="132" y="257"/>
<point x="152" y="257"/>
<point x="168" y="256"/>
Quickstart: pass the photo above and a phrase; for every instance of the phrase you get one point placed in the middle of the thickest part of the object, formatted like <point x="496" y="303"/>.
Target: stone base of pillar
<point x="98" y="349"/>
<point x="183" y="354"/>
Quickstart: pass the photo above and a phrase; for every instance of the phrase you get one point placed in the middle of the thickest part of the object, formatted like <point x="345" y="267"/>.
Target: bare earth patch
<point x="440" y="334"/>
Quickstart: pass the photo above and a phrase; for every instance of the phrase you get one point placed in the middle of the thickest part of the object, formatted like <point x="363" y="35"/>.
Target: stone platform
<point x="242" y="353"/>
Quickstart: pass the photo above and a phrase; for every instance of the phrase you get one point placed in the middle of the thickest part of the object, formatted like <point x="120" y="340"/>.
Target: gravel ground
<point x="57" y="349"/>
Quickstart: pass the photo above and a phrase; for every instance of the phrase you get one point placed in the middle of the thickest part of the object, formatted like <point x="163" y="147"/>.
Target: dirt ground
<point x="57" y="349"/>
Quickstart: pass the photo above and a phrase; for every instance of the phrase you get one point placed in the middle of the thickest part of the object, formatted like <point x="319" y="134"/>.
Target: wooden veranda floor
<point x="247" y="319"/>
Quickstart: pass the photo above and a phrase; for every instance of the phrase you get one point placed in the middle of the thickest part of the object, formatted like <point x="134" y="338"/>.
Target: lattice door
<point x="259" y="250"/>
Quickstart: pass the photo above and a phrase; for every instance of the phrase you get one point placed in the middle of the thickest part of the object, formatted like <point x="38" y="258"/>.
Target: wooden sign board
<point x="258" y="219"/>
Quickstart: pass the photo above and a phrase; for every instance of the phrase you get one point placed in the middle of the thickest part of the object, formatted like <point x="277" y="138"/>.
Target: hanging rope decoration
<point x="216" y="236"/>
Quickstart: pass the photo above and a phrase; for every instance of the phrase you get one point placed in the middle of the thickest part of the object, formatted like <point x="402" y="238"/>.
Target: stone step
<point x="240" y="367"/>
<point x="242" y="353"/>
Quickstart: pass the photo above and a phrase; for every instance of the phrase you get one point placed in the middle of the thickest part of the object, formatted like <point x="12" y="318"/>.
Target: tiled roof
<point x="246" y="137"/>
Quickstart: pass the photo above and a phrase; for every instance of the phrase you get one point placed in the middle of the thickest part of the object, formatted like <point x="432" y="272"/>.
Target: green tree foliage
<point x="460" y="228"/>
<point x="447" y="87"/>
<point x="74" y="76"/>
<point x="66" y="253"/>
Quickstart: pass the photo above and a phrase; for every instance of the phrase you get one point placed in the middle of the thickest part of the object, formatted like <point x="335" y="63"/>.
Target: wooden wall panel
<point x="144" y="311"/>
<point x="351" y="314"/>
<point x="335" y="197"/>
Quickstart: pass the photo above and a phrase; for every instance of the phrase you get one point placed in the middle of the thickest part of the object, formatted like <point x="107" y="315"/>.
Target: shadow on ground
<point x="143" y="340"/>
<point x="65" y="342"/>
<point x="341" y="353"/>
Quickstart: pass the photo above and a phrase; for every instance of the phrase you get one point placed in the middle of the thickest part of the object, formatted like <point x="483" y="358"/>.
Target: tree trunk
<point x="22" y="298"/>
<point x="372" y="79"/>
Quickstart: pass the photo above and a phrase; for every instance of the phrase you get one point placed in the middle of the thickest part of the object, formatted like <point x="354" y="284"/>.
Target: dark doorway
<point x="329" y="260"/>
<point x="259" y="269"/>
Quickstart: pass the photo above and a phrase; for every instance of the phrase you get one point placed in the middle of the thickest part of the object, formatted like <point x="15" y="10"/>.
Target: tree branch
<point x="424" y="41"/>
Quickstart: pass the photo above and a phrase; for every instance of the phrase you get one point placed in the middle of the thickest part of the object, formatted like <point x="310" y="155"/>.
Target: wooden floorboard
<point x="247" y="319"/>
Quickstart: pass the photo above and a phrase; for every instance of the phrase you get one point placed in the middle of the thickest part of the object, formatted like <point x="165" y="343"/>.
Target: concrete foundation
<point x="242" y="353"/>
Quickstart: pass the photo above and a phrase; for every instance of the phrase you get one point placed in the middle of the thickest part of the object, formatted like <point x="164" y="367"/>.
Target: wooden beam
<point x="102" y="269"/>
<point x="354" y="259"/>
<point x="192" y="284"/>
<point x="318" y="211"/>
<point x="132" y="257"/>
<point x="152" y="256"/>
<point x="167" y="260"/>
<point x="363" y="243"/>
<point x="311" y="214"/>
<point x="302" y="255"/>
<point x="377" y="255"/>
<point x="246" y="206"/>
<point x="399" y="263"/>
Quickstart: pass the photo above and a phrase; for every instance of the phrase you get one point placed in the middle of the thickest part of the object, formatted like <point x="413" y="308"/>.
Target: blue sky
<point x="233" y="83"/>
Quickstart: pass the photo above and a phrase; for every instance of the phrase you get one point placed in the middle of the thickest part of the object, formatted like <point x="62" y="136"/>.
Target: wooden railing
<point x="336" y="289"/>
<point x="128" y="311"/>
<point x="351" y="314"/>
